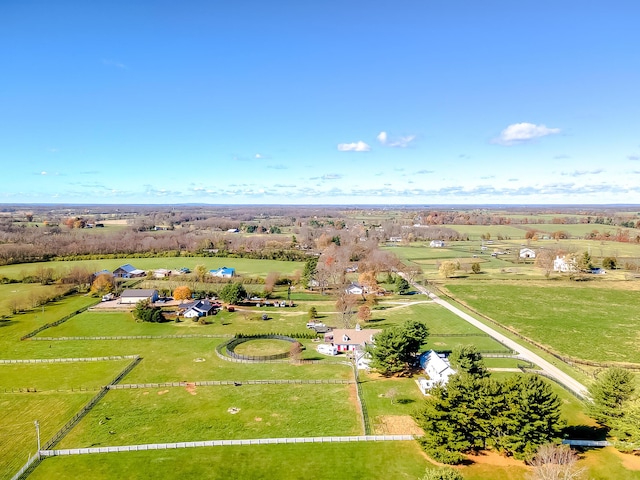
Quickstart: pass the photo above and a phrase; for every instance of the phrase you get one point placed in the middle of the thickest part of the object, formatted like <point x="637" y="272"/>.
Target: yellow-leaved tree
<point x="182" y="293"/>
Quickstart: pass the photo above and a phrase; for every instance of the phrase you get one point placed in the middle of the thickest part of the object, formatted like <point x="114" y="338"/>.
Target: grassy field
<point x="15" y="326"/>
<point x="23" y="295"/>
<point x="127" y="417"/>
<point x="587" y="323"/>
<point x="59" y="376"/>
<point x="175" y="413"/>
<point x="243" y="266"/>
<point x="398" y="460"/>
<point x="18" y="411"/>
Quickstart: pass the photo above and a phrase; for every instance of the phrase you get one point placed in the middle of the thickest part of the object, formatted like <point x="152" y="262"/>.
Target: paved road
<point x="551" y="370"/>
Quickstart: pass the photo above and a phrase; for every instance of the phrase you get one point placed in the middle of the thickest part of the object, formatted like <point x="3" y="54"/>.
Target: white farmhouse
<point x="564" y="264"/>
<point x="436" y="244"/>
<point x="437" y="367"/>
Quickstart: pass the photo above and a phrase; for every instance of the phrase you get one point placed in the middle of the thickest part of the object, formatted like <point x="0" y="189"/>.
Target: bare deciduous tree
<point x="555" y="462"/>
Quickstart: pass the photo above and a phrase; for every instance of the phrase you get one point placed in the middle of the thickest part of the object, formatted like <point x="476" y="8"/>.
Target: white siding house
<point x="438" y="369"/>
<point x="564" y="264"/>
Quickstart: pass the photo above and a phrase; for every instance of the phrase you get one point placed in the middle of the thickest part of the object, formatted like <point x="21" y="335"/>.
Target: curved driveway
<point x="551" y="370"/>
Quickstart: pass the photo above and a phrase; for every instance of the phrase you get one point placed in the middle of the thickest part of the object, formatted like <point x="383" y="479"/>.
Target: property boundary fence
<point x="130" y="337"/>
<point x="219" y="443"/>
<point x="215" y="383"/>
<point x="366" y="423"/>
<point x="572" y="362"/>
<point x="70" y="360"/>
<point x="56" y="323"/>
<point x="34" y="461"/>
<point x="78" y="416"/>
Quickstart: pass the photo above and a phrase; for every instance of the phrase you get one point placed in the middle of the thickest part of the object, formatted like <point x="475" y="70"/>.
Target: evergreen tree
<point x="531" y="416"/>
<point x="395" y="348"/>
<point x="310" y="269"/>
<point x="609" y="393"/>
<point x="466" y="358"/>
<point x="402" y="286"/>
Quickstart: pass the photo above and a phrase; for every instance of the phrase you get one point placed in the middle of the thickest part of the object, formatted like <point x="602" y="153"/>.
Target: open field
<point x="243" y="266"/>
<point x="18" y="411"/>
<point x="13" y="327"/>
<point x="179" y="413"/>
<point x="587" y="323"/>
<point x="96" y="323"/>
<point x="24" y="295"/>
<point x="398" y="460"/>
<point x="126" y="417"/>
<point x="59" y="376"/>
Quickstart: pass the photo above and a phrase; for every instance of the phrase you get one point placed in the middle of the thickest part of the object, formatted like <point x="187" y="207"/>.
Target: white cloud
<point x="354" y="147"/>
<point x="43" y="173"/>
<point x="523" y="132"/>
<point x="397" y="142"/>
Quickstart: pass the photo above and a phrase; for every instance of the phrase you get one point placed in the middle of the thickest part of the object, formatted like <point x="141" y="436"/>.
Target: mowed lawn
<point x="18" y="411"/>
<point x="373" y="460"/>
<point x="177" y="414"/>
<point x="581" y="321"/>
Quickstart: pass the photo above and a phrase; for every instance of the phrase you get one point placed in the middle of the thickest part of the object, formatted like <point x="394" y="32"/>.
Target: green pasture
<point x="437" y="318"/>
<point x="594" y="323"/>
<point x="483" y="344"/>
<point x="246" y="320"/>
<point x="59" y="376"/>
<point x="18" y="411"/>
<point x="243" y="266"/>
<point x="24" y="296"/>
<point x="177" y="414"/>
<point x="397" y="460"/>
<point x="263" y="347"/>
<point x="389" y="396"/>
<point x="15" y="326"/>
<point x="182" y="359"/>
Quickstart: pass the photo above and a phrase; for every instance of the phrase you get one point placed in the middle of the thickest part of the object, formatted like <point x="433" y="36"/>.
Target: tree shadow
<point x="405" y="401"/>
<point x="376" y="320"/>
<point x="7" y="322"/>
<point x="585" y="432"/>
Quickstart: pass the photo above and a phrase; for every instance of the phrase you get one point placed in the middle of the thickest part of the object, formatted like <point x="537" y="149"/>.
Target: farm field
<point x="170" y="414"/>
<point x="585" y="323"/>
<point x="398" y="460"/>
<point x="15" y="326"/>
<point x="17" y="431"/>
<point x="176" y="414"/>
<point x="243" y="266"/>
<point x="59" y="376"/>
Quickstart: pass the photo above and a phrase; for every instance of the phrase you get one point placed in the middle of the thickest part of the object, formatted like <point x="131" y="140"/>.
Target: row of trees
<point x="474" y="411"/>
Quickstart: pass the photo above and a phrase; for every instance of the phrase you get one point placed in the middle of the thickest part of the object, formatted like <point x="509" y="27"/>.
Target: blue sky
<point x="332" y="102"/>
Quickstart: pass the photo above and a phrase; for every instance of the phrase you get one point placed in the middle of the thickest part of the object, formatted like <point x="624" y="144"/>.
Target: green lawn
<point x="392" y="460"/>
<point x="176" y="414"/>
<point x="589" y="323"/>
<point x="378" y="393"/>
